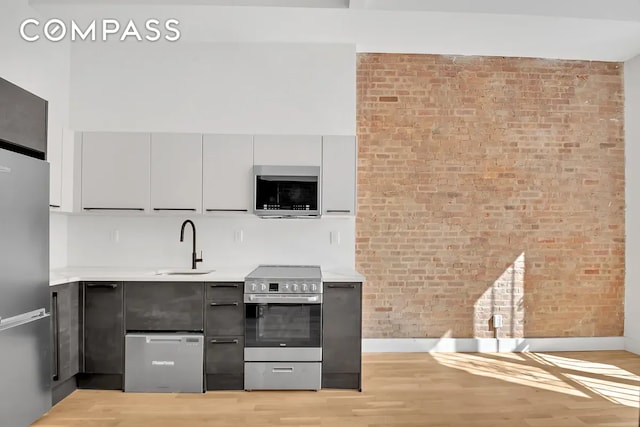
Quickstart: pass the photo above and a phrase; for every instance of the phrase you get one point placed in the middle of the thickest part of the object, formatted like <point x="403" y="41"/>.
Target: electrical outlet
<point x="115" y="236"/>
<point x="497" y="321"/>
<point x="334" y="237"/>
<point x="238" y="236"/>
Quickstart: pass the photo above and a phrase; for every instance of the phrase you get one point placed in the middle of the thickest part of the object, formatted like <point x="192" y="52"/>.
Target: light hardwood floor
<point x="410" y="389"/>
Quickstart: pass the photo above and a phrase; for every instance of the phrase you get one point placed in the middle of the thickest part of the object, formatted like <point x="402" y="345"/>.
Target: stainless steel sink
<point x="184" y="272"/>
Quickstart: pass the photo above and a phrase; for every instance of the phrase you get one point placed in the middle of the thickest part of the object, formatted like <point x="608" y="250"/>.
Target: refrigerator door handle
<point x="23" y="319"/>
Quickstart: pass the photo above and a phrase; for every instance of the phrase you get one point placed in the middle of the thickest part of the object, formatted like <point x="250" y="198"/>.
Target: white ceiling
<point x="568" y="29"/>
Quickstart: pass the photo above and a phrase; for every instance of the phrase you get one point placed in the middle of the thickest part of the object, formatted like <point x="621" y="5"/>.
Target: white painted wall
<point x="126" y="241"/>
<point x="214" y="87"/>
<point x="43" y="69"/>
<point x="632" y="196"/>
<point x="58" y="255"/>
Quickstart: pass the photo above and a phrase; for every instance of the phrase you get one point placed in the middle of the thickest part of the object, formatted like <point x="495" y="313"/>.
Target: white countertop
<point x="221" y="274"/>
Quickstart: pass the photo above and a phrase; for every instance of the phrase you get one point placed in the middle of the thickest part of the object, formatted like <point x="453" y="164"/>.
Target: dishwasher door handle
<point x="164" y="340"/>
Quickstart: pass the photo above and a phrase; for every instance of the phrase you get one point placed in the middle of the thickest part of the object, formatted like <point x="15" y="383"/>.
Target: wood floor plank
<point x="581" y="389"/>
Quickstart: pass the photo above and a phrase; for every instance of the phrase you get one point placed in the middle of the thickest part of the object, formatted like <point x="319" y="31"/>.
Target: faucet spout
<point x="194" y="255"/>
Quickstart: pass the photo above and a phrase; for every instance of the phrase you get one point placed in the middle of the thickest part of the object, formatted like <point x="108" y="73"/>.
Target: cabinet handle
<point x="338" y="211"/>
<point x="226" y="210"/>
<point x="233" y="341"/>
<point x="54" y="206"/>
<point x="83" y="293"/>
<point x="102" y="285"/>
<point x="282" y="370"/>
<point x="223" y="304"/>
<point x="341" y="285"/>
<point x="224" y="285"/>
<point x="56" y="338"/>
<point x="174" y="209"/>
<point x="114" y="209"/>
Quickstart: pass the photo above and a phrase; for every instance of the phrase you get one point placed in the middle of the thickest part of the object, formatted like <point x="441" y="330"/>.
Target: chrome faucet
<point x="194" y="256"/>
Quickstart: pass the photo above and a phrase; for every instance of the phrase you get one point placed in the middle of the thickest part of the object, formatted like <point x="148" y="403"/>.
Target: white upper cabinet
<point x="228" y="173"/>
<point x="54" y="157"/>
<point x="115" y="171"/>
<point x="182" y="172"/>
<point x="339" y="175"/>
<point x="287" y="150"/>
<point x="176" y="172"/>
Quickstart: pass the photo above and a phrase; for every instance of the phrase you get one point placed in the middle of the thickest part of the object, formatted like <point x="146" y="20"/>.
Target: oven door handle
<point x="281" y="299"/>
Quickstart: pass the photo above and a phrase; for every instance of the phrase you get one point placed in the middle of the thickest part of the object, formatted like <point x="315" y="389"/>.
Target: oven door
<point x="283" y="321"/>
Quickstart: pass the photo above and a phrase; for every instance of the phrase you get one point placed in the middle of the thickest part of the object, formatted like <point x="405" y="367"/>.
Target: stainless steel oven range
<point x="283" y="328"/>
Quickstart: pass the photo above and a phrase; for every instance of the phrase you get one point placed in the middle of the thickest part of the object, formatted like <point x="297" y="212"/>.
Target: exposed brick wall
<point x="490" y="185"/>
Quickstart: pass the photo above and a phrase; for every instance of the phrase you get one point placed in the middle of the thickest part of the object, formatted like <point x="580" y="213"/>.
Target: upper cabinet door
<point x="54" y="157"/>
<point x="23" y="118"/>
<point x="339" y="170"/>
<point x="287" y="150"/>
<point x="115" y="171"/>
<point x="176" y="172"/>
<point x="228" y="173"/>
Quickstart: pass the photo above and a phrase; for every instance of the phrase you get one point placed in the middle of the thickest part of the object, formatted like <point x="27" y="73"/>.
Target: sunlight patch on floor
<point x="620" y="393"/>
<point x="588" y="366"/>
<point x="575" y="377"/>
<point x="507" y="371"/>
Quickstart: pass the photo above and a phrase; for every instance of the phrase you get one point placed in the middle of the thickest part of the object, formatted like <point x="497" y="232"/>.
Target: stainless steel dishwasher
<point x="164" y="363"/>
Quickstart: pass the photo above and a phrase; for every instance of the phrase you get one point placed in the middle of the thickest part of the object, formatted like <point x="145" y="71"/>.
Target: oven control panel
<point x="290" y="286"/>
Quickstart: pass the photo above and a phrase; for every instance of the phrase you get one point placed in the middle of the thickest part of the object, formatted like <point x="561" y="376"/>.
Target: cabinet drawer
<point x="225" y="291"/>
<point x="224" y="355"/>
<point x="166" y="306"/>
<point x="225" y="318"/>
<point x="283" y="375"/>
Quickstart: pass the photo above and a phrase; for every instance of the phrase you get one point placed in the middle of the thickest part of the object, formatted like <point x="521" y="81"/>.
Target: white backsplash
<point x="128" y="241"/>
<point x="57" y="240"/>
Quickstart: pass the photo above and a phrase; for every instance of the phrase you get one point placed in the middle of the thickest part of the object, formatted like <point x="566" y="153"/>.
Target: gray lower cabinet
<point x="224" y="363"/>
<point x="164" y="306"/>
<point x="66" y="337"/>
<point x="224" y="346"/>
<point x="103" y="338"/>
<point x="342" y="335"/>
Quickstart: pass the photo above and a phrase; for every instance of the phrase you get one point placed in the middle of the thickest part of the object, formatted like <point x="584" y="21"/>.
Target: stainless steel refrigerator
<point x="25" y="331"/>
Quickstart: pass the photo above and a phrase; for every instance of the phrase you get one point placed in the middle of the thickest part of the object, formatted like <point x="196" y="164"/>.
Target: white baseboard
<point x="492" y="345"/>
<point x="632" y="345"/>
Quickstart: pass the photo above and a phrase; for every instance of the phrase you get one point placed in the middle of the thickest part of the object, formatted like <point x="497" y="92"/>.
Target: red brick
<point x="482" y="160"/>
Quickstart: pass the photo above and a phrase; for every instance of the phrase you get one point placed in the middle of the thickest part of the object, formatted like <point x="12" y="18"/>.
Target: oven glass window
<point x="287" y="193"/>
<point x="283" y="325"/>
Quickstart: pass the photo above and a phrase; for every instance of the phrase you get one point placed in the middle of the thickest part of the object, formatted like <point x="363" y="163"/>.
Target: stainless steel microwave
<point x="286" y="191"/>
